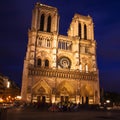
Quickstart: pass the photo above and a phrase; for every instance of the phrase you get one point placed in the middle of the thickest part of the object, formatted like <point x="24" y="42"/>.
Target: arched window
<point x="42" y="22"/>
<point x="39" y="41"/>
<point x="46" y="63"/>
<point x="85" y="32"/>
<point x="49" y="24"/>
<point x="79" y="30"/>
<point x="48" y="43"/>
<point x="59" y="44"/>
<point x="63" y="45"/>
<point x="68" y="45"/>
<point x="39" y="62"/>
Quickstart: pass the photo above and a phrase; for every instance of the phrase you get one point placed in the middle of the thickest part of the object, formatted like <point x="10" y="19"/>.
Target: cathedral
<point x="59" y="68"/>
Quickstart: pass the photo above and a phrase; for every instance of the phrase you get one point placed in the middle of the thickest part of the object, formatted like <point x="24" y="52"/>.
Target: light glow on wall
<point x="77" y="99"/>
<point x="1" y="100"/>
<point x="8" y="84"/>
<point x="86" y="68"/>
<point x="53" y="98"/>
<point x="80" y="67"/>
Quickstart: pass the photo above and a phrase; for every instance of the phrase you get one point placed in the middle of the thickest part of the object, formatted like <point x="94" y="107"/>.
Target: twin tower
<point x="59" y="68"/>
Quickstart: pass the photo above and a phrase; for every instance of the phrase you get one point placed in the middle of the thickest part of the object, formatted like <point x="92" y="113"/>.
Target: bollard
<point x="3" y="114"/>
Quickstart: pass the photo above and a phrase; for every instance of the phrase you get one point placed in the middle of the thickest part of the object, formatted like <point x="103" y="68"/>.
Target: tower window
<point x="42" y="22"/>
<point x="39" y="62"/>
<point x="85" y="32"/>
<point x="46" y="63"/>
<point x="49" y="24"/>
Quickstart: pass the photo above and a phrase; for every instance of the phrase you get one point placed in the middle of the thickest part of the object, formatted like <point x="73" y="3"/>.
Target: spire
<point x="38" y="3"/>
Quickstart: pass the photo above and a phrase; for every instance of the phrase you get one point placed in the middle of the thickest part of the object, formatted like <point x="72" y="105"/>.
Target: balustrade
<point x="71" y="74"/>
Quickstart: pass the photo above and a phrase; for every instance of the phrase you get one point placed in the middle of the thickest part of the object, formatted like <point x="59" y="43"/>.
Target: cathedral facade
<point x="56" y="67"/>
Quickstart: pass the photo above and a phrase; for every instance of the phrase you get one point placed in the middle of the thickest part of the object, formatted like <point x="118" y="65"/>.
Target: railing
<point x="76" y="74"/>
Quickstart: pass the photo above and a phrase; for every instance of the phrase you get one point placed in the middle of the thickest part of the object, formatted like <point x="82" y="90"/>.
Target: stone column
<point x="54" y="51"/>
<point x="82" y="30"/>
<point x="77" y="99"/>
<point x="92" y="31"/>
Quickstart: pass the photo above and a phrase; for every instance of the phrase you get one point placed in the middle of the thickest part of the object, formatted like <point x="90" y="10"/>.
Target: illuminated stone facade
<point x="57" y="67"/>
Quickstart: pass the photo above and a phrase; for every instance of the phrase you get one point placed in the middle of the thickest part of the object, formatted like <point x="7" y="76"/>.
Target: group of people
<point x="64" y="106"/>
<point x="56" y="107"/>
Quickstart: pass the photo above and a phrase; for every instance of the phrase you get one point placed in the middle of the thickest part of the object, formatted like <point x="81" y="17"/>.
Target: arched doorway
<point x="41" y="99"/>
<point x="87" y="94"/>
<point x="41" y="91"/>
<point x="65" y="91"/>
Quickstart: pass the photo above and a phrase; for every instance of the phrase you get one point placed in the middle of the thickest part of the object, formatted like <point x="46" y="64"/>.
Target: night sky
<point x="15" y="20"/>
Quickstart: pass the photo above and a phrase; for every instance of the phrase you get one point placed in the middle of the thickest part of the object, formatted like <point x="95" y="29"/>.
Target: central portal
<point x="64" y="98"/>
<point x="41" y="99"/>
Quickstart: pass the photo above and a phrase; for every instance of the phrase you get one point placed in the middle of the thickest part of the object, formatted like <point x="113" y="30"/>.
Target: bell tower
<point x="45" y="21"/>
<point x="45" y="18"/>
<point x="82" y="26"/>
<point x="42" y="41"/>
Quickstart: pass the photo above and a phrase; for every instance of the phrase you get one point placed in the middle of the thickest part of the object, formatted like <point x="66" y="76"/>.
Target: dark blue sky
<point x="15" y="20"/>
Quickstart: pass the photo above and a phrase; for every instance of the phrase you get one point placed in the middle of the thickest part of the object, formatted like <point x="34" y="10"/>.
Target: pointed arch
<point x="49" y="24"/>
<point x="85" y="31"/>
<point x="46" y="63"/>
<point x="65" y="88"/>
<point x="41" y="87"/>
<point x="87" y="90"/>
<point x="42" y="22"/>
<point x="39" y="41"/>
<point x="39" y="62"/>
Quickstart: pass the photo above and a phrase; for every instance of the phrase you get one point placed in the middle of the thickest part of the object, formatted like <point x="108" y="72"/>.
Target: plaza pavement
<point x="36" y="114"/>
